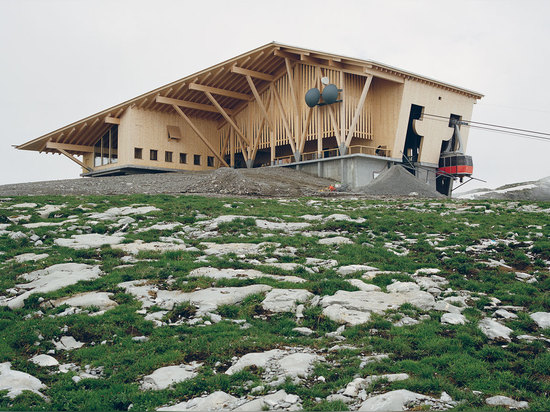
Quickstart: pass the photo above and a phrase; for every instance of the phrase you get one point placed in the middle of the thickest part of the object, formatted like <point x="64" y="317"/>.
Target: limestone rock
<point x="392" y="401"/>
<point x="506" y="401"/>
<point x="340" y="314"/>
<point x="210" y="272"/>
<point x="284" y="300"/>
<point x="336" y="240"/>
<point x="541" y="318"/>
<point x="453" y="319"/>
<point x="349" y="269"/>
<point x="47" y="280"/>
<point x="303" y="331"/>
<point x="283" y="226"/>
<point x="89" y="241"/>
<point x="240" y="249"/>
<point x="27" y="257"/>
<point x="44" y="360"/>
<point x="15" y="382"/>
<point x="167" y="376"/>
<point x="140" y="246"/>
<point x="101" y="300"/>
<point x="67" y="343"/>
<point x="116" y="212"/>
<point x="365" y="287"/>
<point x="215" y="401"/>
<point x="258" y="359"/>
<point x="494" y="330"/>
<point x="353" y="388"/>
<point x="298" y="364"/>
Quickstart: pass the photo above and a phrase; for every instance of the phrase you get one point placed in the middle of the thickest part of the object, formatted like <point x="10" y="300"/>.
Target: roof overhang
<point x="229" y="83"/>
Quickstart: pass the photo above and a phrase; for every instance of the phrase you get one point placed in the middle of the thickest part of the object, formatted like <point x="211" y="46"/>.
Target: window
<point x="210" y="161"/>
<point x="153" y="154"/>
<point x="183" y="157"/>
<point x="106" y="148"/>
<point x="168" y="157"/>
<point x="174" y="132"/>
<point x="138" y="153"/>
<point x="197" y="160"/>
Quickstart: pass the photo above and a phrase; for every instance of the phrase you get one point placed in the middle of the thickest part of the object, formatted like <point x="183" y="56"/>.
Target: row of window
<point x="168" y="157"/>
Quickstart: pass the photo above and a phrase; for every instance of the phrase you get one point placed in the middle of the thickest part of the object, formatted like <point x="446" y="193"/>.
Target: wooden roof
<point x="226" y="82"/>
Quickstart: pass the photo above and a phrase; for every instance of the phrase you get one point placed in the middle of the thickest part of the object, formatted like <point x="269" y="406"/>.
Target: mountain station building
<point x="360" y="118"/>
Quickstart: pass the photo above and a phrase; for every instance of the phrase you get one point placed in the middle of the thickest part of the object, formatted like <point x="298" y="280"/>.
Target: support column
<point x="231" y="148"/>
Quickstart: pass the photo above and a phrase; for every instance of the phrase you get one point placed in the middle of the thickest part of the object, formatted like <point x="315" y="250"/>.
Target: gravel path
<point x="269" y="182"/>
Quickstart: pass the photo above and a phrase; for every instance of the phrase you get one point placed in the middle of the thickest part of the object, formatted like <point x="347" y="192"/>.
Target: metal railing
<point x="334" y="152"/>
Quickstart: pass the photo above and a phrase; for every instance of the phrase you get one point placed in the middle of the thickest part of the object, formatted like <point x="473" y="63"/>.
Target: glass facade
<point x="106" y="148"/>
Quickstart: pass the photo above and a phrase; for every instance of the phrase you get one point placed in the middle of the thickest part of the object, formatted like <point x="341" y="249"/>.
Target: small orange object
<point x="331" y="188"/>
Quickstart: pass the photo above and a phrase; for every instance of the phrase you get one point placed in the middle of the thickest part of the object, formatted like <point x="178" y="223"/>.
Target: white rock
<point x="365" y="287"/>
<point x="258" y="359"/>
<point x="115" y="212"/>
<point x="87" y="241"/>
<point x="391" y="401"/>
<point x="283" y="226"/>
<point x="240" y="249"/>
<point x="340" y="314"/>
<point x="303" y="331"/>
<point x="353" y="388"/>
<point x="52" y="278"/>
<point x="349" y="269"/>
<point x="101" y="300"/>
<point x="453" y="319"/>
<point x="215" y="273"/>
<point x="27" y="257"/>
<point x="215" y="401"/>
<point x="506" y="401"/>
<point x="23" y="206"/>
<point x="503" y="313"/>
<point x="494" y="330"/>
<point x="298" y="364"/>
<point x="67" y="343"/>
<point x="167" y="376"/>
<point x="44" y="360"/>
<point x="265" y="402"/>
<point x="400" y="287"/>
<point x="541" y="318"/>
<point x="443" y="306"/>
<point x="45" y="210"/>
<point x="15" y="382"/>
<point x="378" y="302"/>
<point x="284" y="300"/>
<point x="140" y="246"/>
<point x="337" y="240"/>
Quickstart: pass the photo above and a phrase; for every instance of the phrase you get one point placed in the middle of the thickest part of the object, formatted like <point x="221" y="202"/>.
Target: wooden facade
<point x="250" y="111"/>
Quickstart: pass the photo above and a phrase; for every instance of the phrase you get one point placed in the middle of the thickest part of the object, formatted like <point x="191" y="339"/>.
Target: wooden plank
<point x="174" y="132"/>
<point x="112" y="120"/>
<point x="226" y="117"/>
<point x="259" y="100"/>
<point x="252" y="73"/>
<point x="231" y="147"/>
<point x="291" y="84"/>
<point x="358" y="110"/>
<point x="74" y="159"/>
<point x="70" y="147"/>
<point x="343" y="121"/>
<point x="286" y="55"/>
<point x="190" y="105"/>
<point x="198" y="132"/>
<point x="221" y="92"/>
<point x="272" y="146"/>
<point x="283" y="118"/>
<point x="304" y="131"/>
<point x="334" y="124"/>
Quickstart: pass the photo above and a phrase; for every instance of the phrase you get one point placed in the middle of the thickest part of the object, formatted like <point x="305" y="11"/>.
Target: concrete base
<point x="356" y="170"/>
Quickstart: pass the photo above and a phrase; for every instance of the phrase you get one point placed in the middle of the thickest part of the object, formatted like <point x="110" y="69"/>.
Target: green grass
<point x="454" y="359"/>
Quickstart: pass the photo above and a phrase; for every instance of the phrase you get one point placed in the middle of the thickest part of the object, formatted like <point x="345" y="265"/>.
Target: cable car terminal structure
<point x="281" y="106"/>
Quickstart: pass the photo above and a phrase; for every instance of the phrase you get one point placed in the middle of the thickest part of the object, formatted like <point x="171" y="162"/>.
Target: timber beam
<point x="74" y="159"/>
<point x="253" y="73"/>
<point x="221" y="92"/>
<point x="190" y="105"/>
<point x="70" y="147"/>
<point x="112" y="120"/>
<point x="227" y="117"/>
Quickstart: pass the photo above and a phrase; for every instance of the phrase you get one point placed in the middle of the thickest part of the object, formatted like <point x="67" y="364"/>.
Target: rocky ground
<point x="191" y="303"/>
<point x="269" y="182"/>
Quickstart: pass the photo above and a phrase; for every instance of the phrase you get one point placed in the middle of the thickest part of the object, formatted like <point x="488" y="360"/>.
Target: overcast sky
<point x="63" y="60"/>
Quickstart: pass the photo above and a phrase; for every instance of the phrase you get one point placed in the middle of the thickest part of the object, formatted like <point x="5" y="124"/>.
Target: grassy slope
<point x="455" y="359"/>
